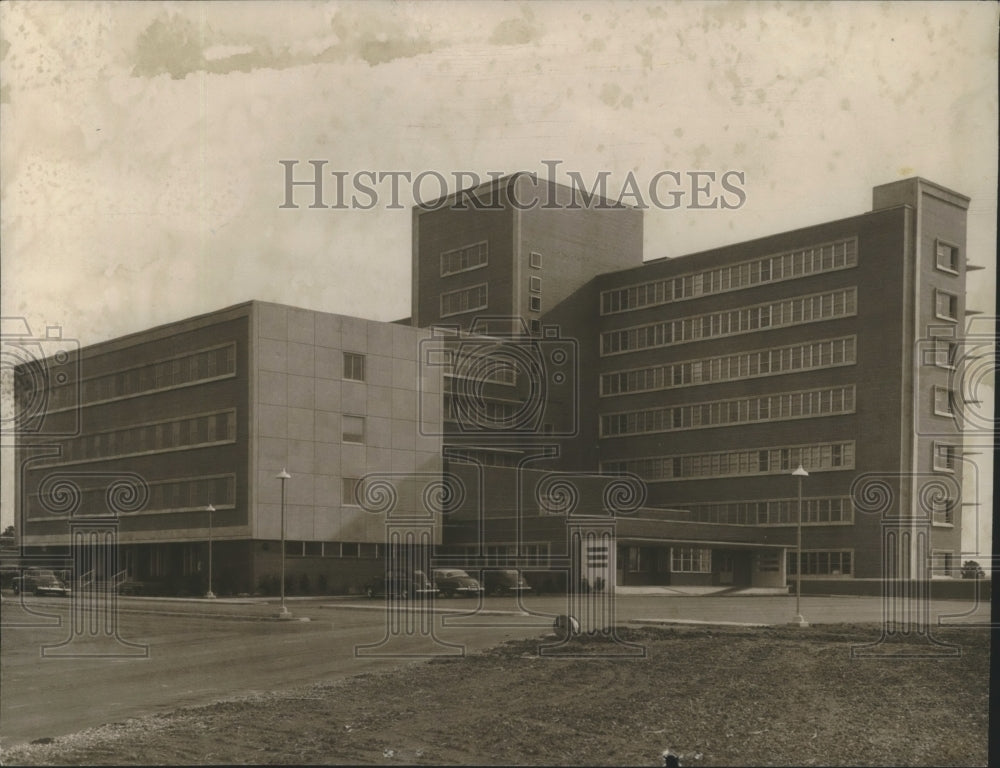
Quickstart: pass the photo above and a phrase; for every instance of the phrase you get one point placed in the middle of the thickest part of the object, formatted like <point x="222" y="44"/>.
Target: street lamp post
<point x="283" y="476"/>
<point x="210" y="594"/>
<point x="799" y="473"/>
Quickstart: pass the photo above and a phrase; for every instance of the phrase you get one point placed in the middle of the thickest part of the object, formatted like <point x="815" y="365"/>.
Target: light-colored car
<point x="38" y="581"/>
<point x="452" y="581"/>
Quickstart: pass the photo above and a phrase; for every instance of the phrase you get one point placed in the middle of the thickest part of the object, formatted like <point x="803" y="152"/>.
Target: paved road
<point x="200" y="651"/>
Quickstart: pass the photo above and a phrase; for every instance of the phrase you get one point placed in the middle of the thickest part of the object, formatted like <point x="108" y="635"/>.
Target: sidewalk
<point x="631" y="605"/>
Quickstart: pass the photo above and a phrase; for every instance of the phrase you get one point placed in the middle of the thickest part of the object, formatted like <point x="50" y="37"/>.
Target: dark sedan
<point x="451" y="582"/>
<point x="403" y="585"/>
<point x="505" y="583"/>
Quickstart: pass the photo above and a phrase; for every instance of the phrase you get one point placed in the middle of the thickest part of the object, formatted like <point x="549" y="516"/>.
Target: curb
<point x="697" y="622"/>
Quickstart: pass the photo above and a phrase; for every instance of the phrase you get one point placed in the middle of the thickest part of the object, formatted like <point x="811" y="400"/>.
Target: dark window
<point x="354" y="366"/>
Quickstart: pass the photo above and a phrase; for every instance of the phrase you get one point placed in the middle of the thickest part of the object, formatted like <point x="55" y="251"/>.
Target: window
<point x="350" y="486"/>
<point x="946" y="305"/>
<point x="942" y="511"/>
<point x="690" y="560"/>
<point x="464" y="258"/>
<point x="947" y="257"/>
<point x="464" y="300"/>
<point x="943" y="398"/>
<point x="353" y="429"/>
<point x="535" y="284"/>
<point x="768" y="562"/>
<point x="535" y="260"/>
<point x="944" y="457"/>
<point x="535" y="303"/>
<point x="942" y="354"/>
<point x="354" y="366"/>
<point x="331" y="549"/>
<point x="635" y="559"/>
<point x="942" y="562"/>
<point x="822" y="563"/>
<point x="314" y="548"/>
<point x="535" y="325"/>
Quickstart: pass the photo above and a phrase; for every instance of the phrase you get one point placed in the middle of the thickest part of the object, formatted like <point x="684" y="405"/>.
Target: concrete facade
<point x="209" y="410"/>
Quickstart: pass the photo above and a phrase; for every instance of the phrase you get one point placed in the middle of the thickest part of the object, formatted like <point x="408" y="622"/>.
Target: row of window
<point x="481" y="368"/>
<point x="833" y="562"/>
<point x="736" y="367"/>
<point x="777" y="314"/>
<point x="465" y="258"/>
<point x="465" y="300"/>
<point x="815" y="511"/>
<point x="484" y="456"/>
<point x="175" y="434"/>
<point x="744" y="410"/>
<point x="172" y="372"/>
<point x="752" y="461"/>
<point x="770" y="269"/>
<point x="480" y="412"/>
<point x="164" y="496"/>
<point x="530" y="554"/>
<point x="345" y="549"/>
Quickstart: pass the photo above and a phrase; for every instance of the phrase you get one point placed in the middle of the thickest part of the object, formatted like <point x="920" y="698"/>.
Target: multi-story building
<point x="208" y="411"/>
<point x="713" y="376"/>
<point x="543" y="345"/>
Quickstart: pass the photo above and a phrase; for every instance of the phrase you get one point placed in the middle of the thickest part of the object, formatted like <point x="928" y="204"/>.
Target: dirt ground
<point x="716" y="696"/>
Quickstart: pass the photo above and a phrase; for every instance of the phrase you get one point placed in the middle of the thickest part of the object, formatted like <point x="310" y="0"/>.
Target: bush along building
<point x="548" y="377"/>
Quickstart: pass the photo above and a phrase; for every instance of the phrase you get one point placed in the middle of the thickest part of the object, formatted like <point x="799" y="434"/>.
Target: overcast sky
<point x="140" y="143"/>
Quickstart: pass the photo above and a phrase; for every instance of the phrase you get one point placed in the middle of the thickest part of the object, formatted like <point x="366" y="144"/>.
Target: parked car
<point x="451" y="581"/>
<point x="38" y="581"/>
<point x="403" y="585"/>
<point x="505" y="583"/>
